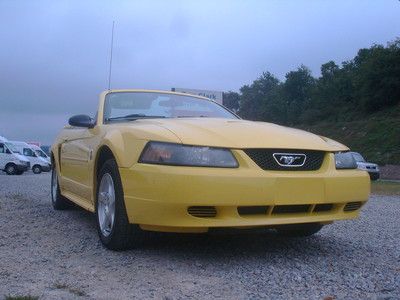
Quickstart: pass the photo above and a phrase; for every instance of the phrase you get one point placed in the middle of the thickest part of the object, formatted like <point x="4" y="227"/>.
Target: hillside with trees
<point x="357" y="102"/>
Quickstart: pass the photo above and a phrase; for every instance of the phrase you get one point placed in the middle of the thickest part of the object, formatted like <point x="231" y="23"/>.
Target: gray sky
<point x="54" y="54"/>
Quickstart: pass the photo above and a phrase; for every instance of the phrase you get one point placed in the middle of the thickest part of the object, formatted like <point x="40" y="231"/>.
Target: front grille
<point x="323" y="207"/>
<point x="352" y="206"/>
<point x="202" y="211"/>
<point x="252" y="210"/>
<point x="291" y="209"/>
<point x="265" y="160"/>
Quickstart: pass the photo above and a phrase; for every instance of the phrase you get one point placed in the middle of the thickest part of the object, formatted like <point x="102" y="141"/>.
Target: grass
<point x="29" y="297"/>
<point x="376" y="137"/>
<point x="75" y="291"/>
<point x="385" y="188"/>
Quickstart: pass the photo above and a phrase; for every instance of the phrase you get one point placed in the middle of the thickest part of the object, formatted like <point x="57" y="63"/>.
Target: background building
<point x="217" y="96"/>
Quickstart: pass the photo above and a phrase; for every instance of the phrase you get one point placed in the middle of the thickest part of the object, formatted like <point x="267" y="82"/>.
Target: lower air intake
<point x="352" y="206"/>
<point x="202" y="211"/>
<point x="252" y="210"/>
<point x="323" y="207"/>
<point x="290" y="209"/>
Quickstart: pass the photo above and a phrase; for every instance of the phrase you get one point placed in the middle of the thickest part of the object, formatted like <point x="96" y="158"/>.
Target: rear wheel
<point x="11" y="169"/>
<point x="36" y="169"/>
<point x="299" y="230"/>
<point x="114" y="229"/>
<point x="58" y="201"/>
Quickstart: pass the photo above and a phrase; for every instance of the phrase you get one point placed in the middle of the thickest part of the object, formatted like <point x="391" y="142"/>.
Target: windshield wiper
<point x="133" y="117"/>
<point x="201" y="116"/>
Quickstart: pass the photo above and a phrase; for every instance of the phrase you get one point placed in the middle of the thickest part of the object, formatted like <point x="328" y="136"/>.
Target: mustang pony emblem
<point x="290" y="159"/>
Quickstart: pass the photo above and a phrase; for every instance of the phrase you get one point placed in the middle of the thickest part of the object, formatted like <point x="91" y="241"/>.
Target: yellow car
<point x="172" y="162"/>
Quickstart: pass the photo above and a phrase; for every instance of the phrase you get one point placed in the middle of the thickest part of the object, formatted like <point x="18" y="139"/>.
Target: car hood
<point x="241" y="134"/>
<point x="43" y="160"/>
<point x="366" y="164"/>
<point x="21" y="157"/>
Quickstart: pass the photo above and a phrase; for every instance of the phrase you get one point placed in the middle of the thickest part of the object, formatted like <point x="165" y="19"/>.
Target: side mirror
<point x="81" y="121"/>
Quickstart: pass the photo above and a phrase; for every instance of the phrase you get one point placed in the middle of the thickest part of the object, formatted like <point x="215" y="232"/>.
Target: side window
<point x="2" y="149"/>
<point x="28" y="152"/>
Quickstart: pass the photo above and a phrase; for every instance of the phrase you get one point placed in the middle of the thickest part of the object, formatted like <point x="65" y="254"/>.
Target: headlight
<point x="184" y="155"/>
<point x="345" y="160"/>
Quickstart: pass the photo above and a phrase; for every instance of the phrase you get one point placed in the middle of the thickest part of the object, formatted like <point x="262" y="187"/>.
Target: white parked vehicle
<point x="39" y="152"/>
<point x="12" y="162"/>
<point x="38" y="164"/>
<point x="371" y="168"/>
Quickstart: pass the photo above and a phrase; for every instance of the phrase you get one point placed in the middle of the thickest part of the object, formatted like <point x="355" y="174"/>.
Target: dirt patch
<point x="390" y="172"/>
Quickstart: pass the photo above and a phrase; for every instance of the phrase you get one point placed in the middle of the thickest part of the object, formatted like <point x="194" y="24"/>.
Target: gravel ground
<point x="57" y="255"/>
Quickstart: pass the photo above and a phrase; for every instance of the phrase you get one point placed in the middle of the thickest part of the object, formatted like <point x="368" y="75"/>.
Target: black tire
<point x="58" y="201"/>
<point x="36" y="169"/>
<point x="374" y="176"/>
<point x="11" y="169"/>
<point x="299" y="230"/>
<point x="122" y="235"/>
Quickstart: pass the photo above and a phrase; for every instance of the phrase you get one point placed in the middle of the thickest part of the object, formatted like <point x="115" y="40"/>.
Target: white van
<point x="38" y="164"/>
<point x="39" y="152"/>
<point x="12" y="162"/>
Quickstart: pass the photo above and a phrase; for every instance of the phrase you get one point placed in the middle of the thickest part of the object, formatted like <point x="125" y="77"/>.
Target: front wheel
<point x="36" y="169"/>
<point x="11" y="169"/>
<point x="299" y="230"/>
<point x="58" y="201"/>
<point x="114" y="229"/>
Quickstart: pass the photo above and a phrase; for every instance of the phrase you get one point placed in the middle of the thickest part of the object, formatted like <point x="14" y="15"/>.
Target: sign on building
<point x="213" y="95"/>
<point x="34" y="143"/>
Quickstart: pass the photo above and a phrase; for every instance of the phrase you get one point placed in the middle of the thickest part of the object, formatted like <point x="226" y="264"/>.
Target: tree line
<point x="368" y="83"/>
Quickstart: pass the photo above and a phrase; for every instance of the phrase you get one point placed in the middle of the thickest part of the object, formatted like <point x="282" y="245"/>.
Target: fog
<point x="54" y="55"/>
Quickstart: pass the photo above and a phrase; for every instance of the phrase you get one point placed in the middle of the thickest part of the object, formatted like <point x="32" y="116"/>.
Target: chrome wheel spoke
<point x="106" y="204"/>
<point x="103" y="224"/>
<point x="54" y="186"/>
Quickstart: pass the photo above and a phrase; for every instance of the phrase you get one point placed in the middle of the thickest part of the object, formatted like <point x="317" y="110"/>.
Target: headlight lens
<point x="184" y="155"/>
<point x="345" y="160"/>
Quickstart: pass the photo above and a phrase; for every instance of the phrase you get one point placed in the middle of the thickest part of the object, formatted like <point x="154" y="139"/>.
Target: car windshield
<point x="40" y="153"/>
<point x="12" y="148"/>
<point x="358" y="157"/>
<point x="137" y="105"/>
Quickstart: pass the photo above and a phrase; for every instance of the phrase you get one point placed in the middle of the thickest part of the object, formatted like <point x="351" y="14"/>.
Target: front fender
<point x="125" y="147"/>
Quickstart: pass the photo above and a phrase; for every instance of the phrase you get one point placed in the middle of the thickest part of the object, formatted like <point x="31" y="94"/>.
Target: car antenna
<point x="111" y="56"/>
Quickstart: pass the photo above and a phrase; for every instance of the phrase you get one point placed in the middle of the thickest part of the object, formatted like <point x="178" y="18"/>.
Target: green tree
<point x="367" y="83"/>
<point x="296" y="91"/>
<point x="231" y="100"/>
<point x="377" y="76"/>
<point x="255" y="98"/>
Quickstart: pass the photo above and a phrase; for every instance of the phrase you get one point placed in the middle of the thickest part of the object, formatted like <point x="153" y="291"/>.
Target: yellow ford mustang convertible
<point x="172" y="162"/>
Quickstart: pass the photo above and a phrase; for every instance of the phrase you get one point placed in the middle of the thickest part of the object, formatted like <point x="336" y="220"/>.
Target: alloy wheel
<point x="106" y="204"/>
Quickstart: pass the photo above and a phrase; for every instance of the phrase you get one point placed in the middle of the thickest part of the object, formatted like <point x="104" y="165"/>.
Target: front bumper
<point x="22" y="168"/>
<point x="374" y="175"/>
<point x="46" y="168"/>
<point x="158" y="197"/>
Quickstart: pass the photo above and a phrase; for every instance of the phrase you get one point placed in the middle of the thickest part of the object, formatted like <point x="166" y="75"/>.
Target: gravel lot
<point x="57" y="255"/>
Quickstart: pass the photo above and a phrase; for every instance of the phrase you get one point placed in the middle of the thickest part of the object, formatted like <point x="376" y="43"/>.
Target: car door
<point x="75" y="155"/>
<point x="30" y="154"/>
